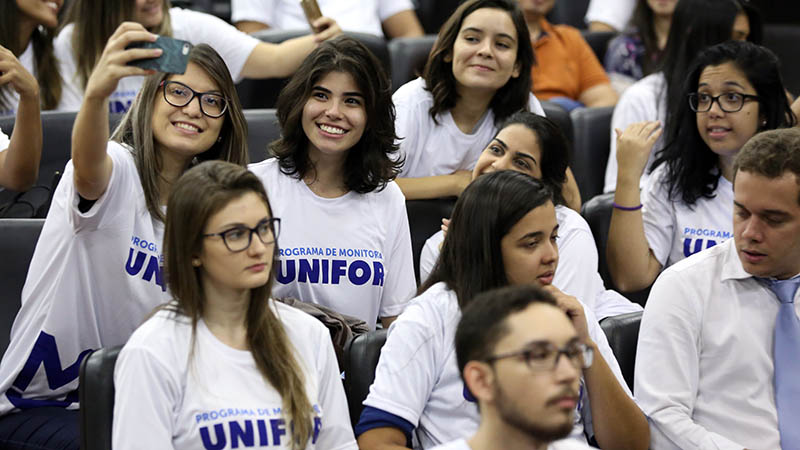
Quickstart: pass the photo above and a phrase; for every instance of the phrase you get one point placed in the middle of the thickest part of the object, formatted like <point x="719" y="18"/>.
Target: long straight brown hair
<point x="44" y="59"/>
<point x="200" y="193"/>
<point x="94" y="22"/>
<point x="136" y="128"/>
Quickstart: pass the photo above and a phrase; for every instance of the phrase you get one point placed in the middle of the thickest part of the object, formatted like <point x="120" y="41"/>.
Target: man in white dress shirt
<point x="711" y="368"/>
<point x="509" y="344"/>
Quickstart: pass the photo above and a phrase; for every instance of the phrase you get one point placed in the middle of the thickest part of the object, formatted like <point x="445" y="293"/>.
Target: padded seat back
<point x="425" y="219"/>
<point x="409" y="55"/>
<point x="569" y="12"/>
<point x="590" y="148"/>
<point x="263" y="128"/>
<point x="783" y="40"/>
<point x="96" y="393"/>
<point x="18" y="239"/>
<point x="361" y="357"/>
<point x="623" y="334"/>
<point x="433" y="14"/>
<point x="560" y="116"/>
<point x="598" y="40"/>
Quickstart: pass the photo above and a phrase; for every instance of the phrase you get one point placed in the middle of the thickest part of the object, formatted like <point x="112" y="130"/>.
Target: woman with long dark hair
<point x="222" y="344"/>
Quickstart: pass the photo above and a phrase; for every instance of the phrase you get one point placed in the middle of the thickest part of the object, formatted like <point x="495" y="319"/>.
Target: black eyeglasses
<point x="543" y="356"/>
<point x="238" y="238"/>
<point x="179" y="95"/>
<point x="729" y="103"/>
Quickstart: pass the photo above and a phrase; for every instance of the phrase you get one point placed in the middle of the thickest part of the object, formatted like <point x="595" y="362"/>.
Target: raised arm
<point x="403" y="24"/>
<point x="269" y="60"/>
<point x="19" y="164"/>
<point x="632" y="264"/>
<point x="436" y="186"/>
<point x="90" y="132"/>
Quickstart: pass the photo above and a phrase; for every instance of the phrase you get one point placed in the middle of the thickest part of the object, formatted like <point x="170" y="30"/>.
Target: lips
<point x="482" y="68"/>
<point x="331" y="130"/>
<point x="187" y="127"/>
<point x="566" y="401"/>
<point x="257" y="267"/>
<point x="718" y="132"/>
<point x="546" y="278"/>
<point x="752" y="256"/>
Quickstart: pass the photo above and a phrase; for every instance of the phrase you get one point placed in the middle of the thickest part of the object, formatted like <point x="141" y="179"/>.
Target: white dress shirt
<point x="704" y="370"/>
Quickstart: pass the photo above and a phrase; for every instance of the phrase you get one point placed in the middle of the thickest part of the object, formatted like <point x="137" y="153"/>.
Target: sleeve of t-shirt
<point x="616" y="13"/>
<point x="200" y="28"/>
<point x="408" y="367"/>
<point x="658" y="216"/>
<point x="4" y="141"/>
<point x="429" y="255"/>
<point x="388" y="8"/>
<point x="253" y="10"/>
<point x="147" y="391"/>
<point x="636" y="104"/>
<point x="112" y="203"/>
<point x="591" y="71"/>
<point x="667" y="371"/>
<point x="399" y="284"/>
<point x="578" y="252"/>
<point x="407" y="125"/>
<point x="535" y="106"/>
<point x="337" y="433"/>
<point x="71" y="89"/>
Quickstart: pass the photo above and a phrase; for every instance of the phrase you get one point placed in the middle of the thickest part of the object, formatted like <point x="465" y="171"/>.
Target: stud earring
<point x="196" y="262"/>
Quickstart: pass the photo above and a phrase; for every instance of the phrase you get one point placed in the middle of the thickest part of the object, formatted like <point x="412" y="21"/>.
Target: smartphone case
<point x="174" y="59"/>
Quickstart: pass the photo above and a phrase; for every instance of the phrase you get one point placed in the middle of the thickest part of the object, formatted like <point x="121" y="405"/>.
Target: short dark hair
<point x="690" y="163"/>
<point x="371" y="163"/>
<point x="471" y="260"/>
<point x="554" y="146"/>
<point x="438" y="73"/>
<point x="484" y="321"/>
<point x="771" y="153"/>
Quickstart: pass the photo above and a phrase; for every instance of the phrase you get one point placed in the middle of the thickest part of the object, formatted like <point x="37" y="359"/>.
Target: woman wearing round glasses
<point x="503" y="232"/>
<point x="222" y="358"/>
<point x="96" y="271"/>
<point x="733" y="91"/>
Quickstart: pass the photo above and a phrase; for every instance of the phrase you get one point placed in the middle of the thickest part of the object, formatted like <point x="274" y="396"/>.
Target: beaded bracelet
<point x="626" y="208"/>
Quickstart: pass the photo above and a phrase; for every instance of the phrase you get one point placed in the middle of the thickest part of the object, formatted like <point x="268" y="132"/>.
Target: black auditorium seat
<point x="591" y="130"/>
<point x="569" y="12"/>
<point x="598" y="40"/>
<point x="96" y="393"/>
<point x="560" y="116"/>
<point x="425" y="219"/>
<point x="264" y="93"/>
<point x="361" y="356"/>
<point x="623" y="334"/>
<point x="408" y="57"/>
<point x="597" y="212"/>
<point x="783" y="40"/>
<point x="434" y="13"/>
<point x="263" y="128"/>
<point x="18" y="239"/>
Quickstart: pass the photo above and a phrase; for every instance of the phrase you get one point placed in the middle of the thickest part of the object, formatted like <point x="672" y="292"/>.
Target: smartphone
<point x="174" y="58"/>
<point x="311" y="9"/>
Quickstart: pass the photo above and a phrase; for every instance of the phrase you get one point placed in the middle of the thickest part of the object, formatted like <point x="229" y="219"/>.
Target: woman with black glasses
<point x="732" y="92"/>
<point x="223" y="358"/>
<point x="96" y="271"/>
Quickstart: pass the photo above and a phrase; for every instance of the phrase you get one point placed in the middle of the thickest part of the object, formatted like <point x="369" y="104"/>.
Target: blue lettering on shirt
<point x="357" y="272"/>
<point x="689" y="249"/>
<point x="242" y="434"/>
<point x="153" y="268"/>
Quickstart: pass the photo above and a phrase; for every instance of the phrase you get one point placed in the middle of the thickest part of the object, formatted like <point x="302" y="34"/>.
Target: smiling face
<point x="222" y="269"/>
<point x="40" y="12"/>
<point x="516" y="147"/>
<point x="185" y="131"/>
<point x="334" y="116"/>
<point x="766" y="224"/>
<point x="529" y="249"/>
<point x="149" y="13"/>
<point x="726" y="132"/>
<point x="484" y="54"/>
<point x="539" y="403"/>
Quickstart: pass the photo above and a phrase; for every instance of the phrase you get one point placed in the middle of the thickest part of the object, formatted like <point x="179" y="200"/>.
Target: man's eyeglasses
<point x="729" y="103"/>
<point x="238" y="238"/>
<point x="179" y="95"/>
<point x="543" y="356"/>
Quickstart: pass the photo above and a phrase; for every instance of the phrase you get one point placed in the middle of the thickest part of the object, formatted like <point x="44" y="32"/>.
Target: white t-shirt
<point x="644" y="100"/>
<point x="4" y="140"/>
<point x="351" y="253"/>
<point x="674" y="230"/>
<point x="93" y="278"/>
<point x="442" y="149"/>
<point x="576" y="273"/>
<point x="363" y="16"/>
<point x="461" y="444"/>
<point x="417" y="376"/>
<point x="26" y="60"/>
<point x="193" y="26"/>
<point x="170" y="395"/>
<point x="616" y="13"/>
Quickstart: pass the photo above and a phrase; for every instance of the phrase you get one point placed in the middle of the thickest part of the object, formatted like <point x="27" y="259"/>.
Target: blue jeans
<point x="40" y="429"/>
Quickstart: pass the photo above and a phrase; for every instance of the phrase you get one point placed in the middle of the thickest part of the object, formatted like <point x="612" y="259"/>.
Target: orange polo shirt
<point x="565" y="64"/>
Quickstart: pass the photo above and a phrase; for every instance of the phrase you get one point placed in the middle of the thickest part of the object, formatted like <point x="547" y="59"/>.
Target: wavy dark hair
<point x="642" y="21"/>
<point x="554" y="146"/>
<point x="691" y="166"/>
<point x="200" y="193"/>
<point x="471" y="260"/>
<point x="371" y="163"/>
<point x="438" y="73"/>
<point x="44" y="60"/>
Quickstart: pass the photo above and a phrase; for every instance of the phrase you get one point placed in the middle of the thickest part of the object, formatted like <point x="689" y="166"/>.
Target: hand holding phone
<point x="173" y="59"/>
<point x="312" y="12"/>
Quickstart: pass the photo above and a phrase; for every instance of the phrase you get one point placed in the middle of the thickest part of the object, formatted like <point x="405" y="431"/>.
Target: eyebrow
<point x="726" y="83"/>
<point x="346" y="94"/>
<point x="766" y="212"/>
<point x="478" y="30"/>
<point x="229" y="225"/>
<point x="536" y="234"/>
<point x="530" y="344"/>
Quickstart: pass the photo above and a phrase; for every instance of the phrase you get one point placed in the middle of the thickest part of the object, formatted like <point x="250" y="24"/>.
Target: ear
<point x="517" y="69"/>
<point x="479" y="378"/>
<point x="448" y="57"/>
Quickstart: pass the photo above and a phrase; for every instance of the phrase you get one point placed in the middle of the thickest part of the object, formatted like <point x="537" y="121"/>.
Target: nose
<point x="503" y="162"/>
<point x="334" y="110"/>
<point x="192" y="108"/>
<point x="485" y="48"/>
<point x="752" y="229"/>
<point x="716" y="109"/>
<point x="565" y="370"/>
<point x="550" y="255"/>
<point x="257" y="247"/>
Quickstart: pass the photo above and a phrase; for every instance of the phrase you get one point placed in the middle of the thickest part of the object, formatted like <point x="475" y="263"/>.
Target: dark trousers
<point x="40" y="429"/>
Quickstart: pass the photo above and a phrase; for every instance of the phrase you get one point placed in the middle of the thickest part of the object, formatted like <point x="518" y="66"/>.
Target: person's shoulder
<point x="437" y="303"/>
<point x="699" y="264"/>
<point x="414" y="92"/>
<point x="567" y="32"/>
<point x="165" y="325"/>
<point x="264" y="167"/>
<point x="570" y="220"/>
